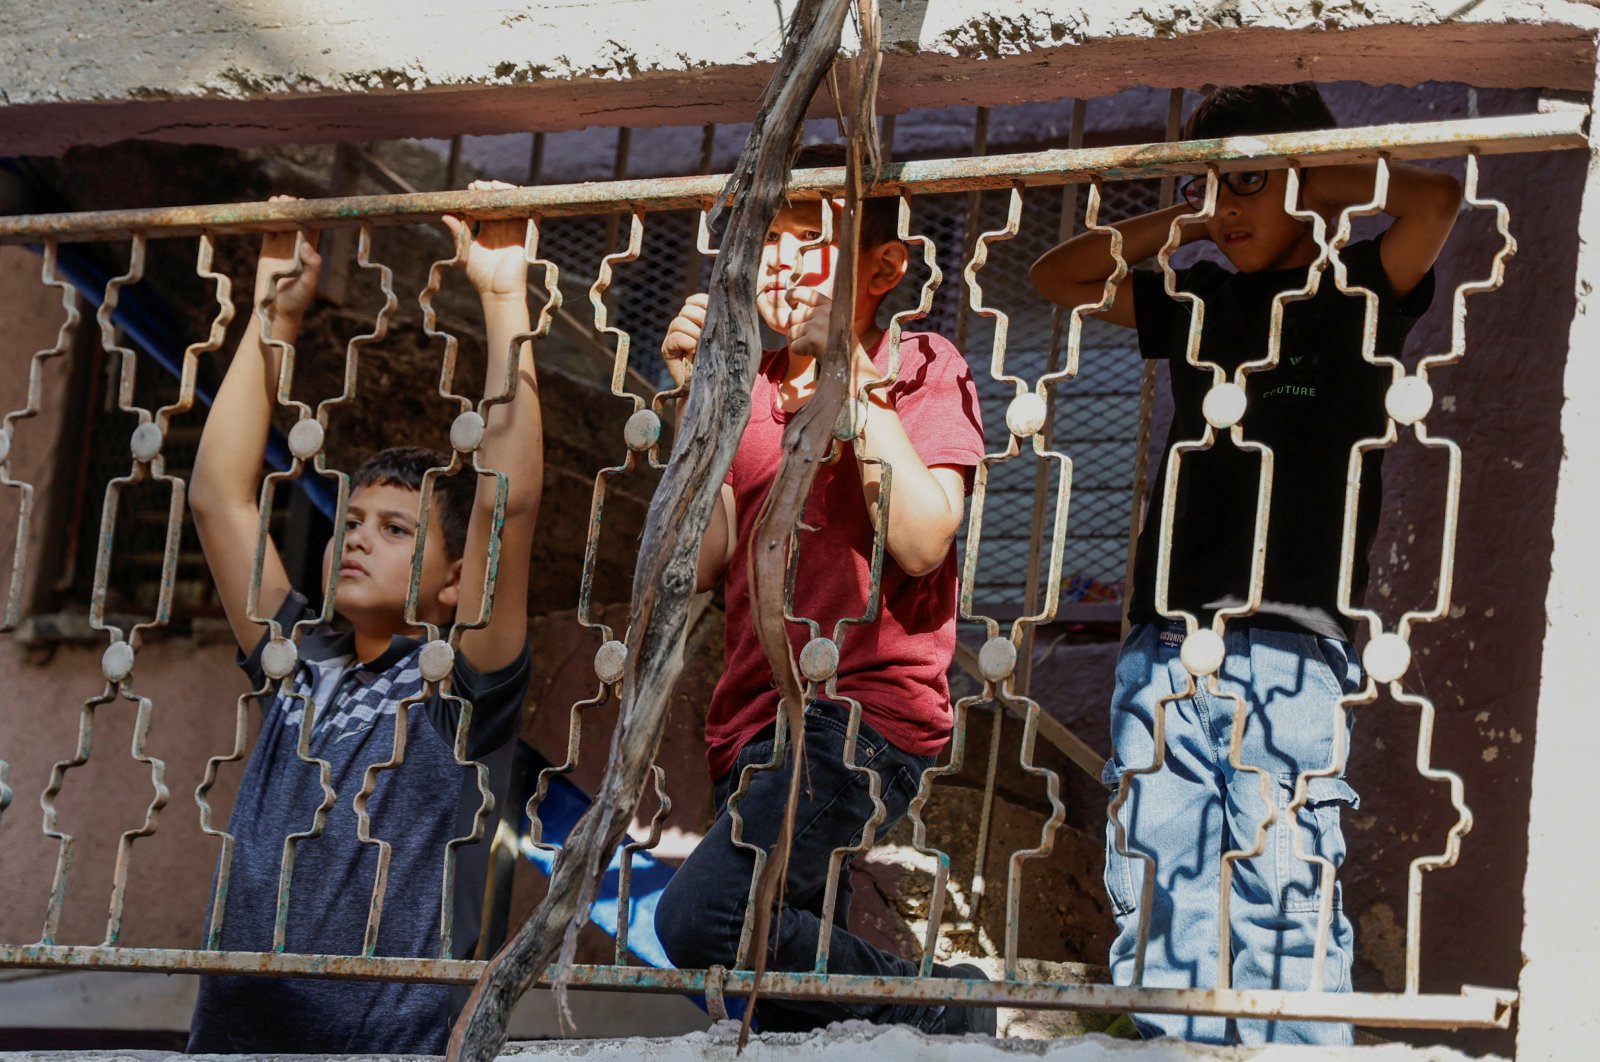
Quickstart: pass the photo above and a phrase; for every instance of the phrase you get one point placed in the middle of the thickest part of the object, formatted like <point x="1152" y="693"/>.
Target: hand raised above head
<point x="496" y="262"/>
<point x="292" y="295"/>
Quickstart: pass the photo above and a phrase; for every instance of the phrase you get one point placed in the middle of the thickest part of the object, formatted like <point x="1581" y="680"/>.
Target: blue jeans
<point x="1199" y="806"/>
<point x="701" y="913"/>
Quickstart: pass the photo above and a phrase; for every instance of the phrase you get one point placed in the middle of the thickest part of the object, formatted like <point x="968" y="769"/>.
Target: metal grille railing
<point x="1005" y="331"/>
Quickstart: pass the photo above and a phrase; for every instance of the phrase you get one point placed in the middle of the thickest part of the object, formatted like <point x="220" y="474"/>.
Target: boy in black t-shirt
<point x="1290" y="659"/>
<point x="356" y="699"/>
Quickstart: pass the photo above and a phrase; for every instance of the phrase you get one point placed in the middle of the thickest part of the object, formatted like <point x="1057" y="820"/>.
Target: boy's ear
<point x="450" y="592"/>
<point x="886" y="267"/>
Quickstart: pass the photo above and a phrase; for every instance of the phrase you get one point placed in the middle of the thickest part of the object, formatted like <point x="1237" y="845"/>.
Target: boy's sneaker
<point x="958" y="1021"/>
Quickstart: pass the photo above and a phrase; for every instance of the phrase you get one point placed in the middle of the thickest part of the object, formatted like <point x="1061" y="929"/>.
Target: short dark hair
<point x="453" y="494"/>
<point x="1257" y="110"/>
<point x="880" y="214"/>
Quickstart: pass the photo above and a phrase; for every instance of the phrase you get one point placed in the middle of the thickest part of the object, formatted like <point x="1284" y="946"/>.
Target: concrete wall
<point x="283" y="71"/>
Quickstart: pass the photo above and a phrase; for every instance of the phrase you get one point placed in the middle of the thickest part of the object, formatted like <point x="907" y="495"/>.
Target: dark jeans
<point x="701" y="914"/>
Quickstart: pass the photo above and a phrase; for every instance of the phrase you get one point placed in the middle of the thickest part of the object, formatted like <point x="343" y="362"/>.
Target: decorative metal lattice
<point x="1037" y="390"/>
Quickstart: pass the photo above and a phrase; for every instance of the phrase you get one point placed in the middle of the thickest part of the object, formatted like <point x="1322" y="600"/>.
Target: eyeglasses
<point x="1239" y="182"/>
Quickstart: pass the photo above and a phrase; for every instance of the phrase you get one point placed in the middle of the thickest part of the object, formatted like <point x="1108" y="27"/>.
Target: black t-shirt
<point x="418" y="808"/>
<point x="1320" y="399"/>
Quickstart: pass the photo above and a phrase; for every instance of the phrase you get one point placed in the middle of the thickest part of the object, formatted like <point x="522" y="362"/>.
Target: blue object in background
<point x="563" y="805"/>
<point x="147" y="324"/>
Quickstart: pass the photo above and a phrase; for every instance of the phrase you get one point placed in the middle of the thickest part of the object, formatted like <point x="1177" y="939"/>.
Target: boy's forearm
<point x="922" y="522"/>
<point x="1086" y="258"/>
<point x="233" y="442"/>
<point x="1413" y="190"/>
<point x="513" y="436"/>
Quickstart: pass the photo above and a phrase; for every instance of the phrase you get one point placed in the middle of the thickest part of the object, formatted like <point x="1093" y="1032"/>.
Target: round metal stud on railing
<point x="1203" y="652"/>
<point x="305" y="439"/>
<point x="1386" y="657"/>
<point x="279" y="657"/>
<point x="117" y="662"/>
<point x="1224" y="405"/>
<point x="1025" y="415"/>
<point x="611" y="662"/>
<point x="642" y="431"/>
<point x="466" y="431"/>
<point x="1408" y="399"/>
<point x="436" y="660"/>
<point x="819" y="660"/>
<point x="146" y="442"/>
<point x="997" y="660"/>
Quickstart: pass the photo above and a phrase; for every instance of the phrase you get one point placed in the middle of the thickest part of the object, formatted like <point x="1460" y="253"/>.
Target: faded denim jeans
<point x="1199" y="806"/>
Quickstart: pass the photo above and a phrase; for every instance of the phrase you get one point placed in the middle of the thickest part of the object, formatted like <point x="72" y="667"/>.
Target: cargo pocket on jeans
<point x="1123" y="873"/>
<point x="1339" y="670"/>
<point x="1321" y="835"/>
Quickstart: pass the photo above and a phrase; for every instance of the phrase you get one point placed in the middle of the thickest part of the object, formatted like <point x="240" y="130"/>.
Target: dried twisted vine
<point x="714" y="420"/>
<point x="806" y="442"/>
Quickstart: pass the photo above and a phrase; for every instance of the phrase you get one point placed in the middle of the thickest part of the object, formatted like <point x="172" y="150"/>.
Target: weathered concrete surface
<point x="858" y="1042"/>
<point x="1561" y="938"/>
<point x="279" y="71"/>
<point x="853" y="1041"/>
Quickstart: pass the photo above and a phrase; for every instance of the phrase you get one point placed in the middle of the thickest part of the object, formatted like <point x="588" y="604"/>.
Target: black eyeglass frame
<point x="1194" y="189"/>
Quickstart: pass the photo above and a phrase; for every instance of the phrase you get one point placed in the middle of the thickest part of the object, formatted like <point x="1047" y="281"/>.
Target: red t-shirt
<point x="896" y="667"/>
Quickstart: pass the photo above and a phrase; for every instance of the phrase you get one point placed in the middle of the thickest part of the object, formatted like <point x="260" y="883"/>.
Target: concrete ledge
<point x="854" y="1041"/>
<point x="281" y="71"/>
<point x="859" y="1042"/>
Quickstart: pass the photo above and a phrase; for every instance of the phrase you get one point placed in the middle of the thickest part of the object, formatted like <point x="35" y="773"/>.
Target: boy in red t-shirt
<point x="926" y="427"/>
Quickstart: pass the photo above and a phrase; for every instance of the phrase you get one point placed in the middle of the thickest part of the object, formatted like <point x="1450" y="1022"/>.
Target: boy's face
<point x="1255" y="232"/>
<point x="375" y="568"/>
<point x="792" y="245"/>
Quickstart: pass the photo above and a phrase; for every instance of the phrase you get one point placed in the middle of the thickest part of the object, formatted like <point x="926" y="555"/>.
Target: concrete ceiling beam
<point x="87" y="72"/>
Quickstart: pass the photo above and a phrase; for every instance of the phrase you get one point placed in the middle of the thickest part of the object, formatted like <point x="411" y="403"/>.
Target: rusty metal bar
<point x="1472" y="1008"/>
<point x="976" y="258"/>
<point x="8" y="427"/>
<point x="619" y="171"/>
<point x="1147" y="397"/>
<point x="1512" y="134"/>
<point x="1041" y="476"/>
<point x="974" y="222"/>
<point x="347" y="166"/>
<point x="536" y="159"/>
<point x="380" y="171"/>
<point x="452" y="166"/>
<point x="695" y="257"/>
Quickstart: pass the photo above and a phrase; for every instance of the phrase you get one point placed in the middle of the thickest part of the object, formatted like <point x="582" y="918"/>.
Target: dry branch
<point x="806" y="442"/>
<point x="714" y="420"/>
